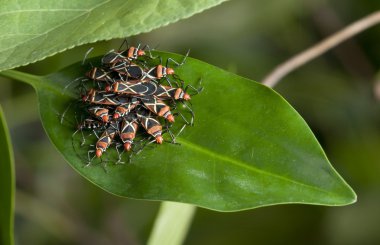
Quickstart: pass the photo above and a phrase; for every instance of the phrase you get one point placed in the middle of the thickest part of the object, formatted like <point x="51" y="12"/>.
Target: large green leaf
<point x="33" y="30"/>
<point x="248" y="148"/>
<point x="7" y="184"/>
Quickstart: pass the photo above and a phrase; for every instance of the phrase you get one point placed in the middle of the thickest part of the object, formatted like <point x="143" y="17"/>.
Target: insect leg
<point x="168" y="81"/>
<point x="191" y="112"/>
<point x="89" y="158"/>
<point x="172" y="136"/>
<point x="183" y="117"/>
<point x="175" y="62"/>
<point x="146" y="144"/>
<point x="196" y="90"/>
<point x="119" y="154"/>
<point x="180" y="131"/>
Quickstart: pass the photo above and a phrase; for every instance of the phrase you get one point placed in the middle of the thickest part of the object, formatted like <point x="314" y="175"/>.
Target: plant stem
<point x="296" y="61"/>
<point x="7" y="184"/>
<point x="21" y="76"/>
<point x="172" y="223"/>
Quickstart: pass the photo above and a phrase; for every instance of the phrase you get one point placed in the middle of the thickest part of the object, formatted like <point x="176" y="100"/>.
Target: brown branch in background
<point x="293" y="63"/>
<point x="349" y="54"/>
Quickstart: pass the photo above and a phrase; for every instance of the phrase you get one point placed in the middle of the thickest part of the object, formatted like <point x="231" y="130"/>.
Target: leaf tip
<point x="346" y="198"/>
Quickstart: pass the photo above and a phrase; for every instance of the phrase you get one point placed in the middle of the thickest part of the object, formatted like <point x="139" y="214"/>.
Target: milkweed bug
<point x="123" y="109"/>
<point x="129" y="54"/>
<point x="103" y="98"/>
<point x="128" y="131"/>
<point x="99" y="112"/>
<point x="141" y="89"/>
<point x="158" y="107"/>
<point x="105" y="139"/>
<point x="151" y="125"/>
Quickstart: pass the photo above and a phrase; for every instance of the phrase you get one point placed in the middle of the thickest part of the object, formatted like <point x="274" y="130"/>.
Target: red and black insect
<point x="127" y="55"/>
<point x="99" y="74"/>
<point x="128" y="131"/>
<point x="105" y="140"/>
<point x="133" y="71"/>
<point x="124" y="109"/>
<point x="104" y="98"/>
<point x="150" y="88"/>
<point x="99" y="112"/>
<point x="136" y="89"/>
<point x="158" y="107"/>
<point x="151" y="124"/>
<point x="91" y="125"/>
<point x="167" y="92"/>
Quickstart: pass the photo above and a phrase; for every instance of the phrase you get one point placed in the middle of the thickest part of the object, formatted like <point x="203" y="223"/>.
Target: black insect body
<point x="134" y="71"/>
<point x="151" y="124"/>
<point x="158" y="107"/>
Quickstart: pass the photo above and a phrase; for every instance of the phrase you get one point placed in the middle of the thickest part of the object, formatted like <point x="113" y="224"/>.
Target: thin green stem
<point x="7" y="184"/>
<point x="172" y="224"/>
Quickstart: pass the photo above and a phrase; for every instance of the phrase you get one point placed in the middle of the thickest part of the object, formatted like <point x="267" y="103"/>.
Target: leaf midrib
<point x="246" y="166"/>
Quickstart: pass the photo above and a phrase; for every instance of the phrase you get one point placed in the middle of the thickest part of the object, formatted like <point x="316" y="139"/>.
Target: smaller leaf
<point x="7" y="184"/>
<point x="33" y="30"/>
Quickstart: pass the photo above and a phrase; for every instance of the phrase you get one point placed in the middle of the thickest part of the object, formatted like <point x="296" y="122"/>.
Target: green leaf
<point x="248" y="147"/>
<point x="7" y="184"/>
<point x="32" y="30"/>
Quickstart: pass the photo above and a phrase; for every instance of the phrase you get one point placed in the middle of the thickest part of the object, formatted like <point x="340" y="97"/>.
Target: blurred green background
<point x="338" y="95"/>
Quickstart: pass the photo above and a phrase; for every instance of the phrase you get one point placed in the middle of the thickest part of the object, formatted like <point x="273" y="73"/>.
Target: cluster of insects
<point x="131" y="89"/>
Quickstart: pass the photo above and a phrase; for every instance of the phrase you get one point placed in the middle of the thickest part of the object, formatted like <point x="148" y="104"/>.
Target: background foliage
<point x="336" y="94"/>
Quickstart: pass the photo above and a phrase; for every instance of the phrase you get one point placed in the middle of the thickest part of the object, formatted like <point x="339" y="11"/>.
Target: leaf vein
<point x="43" y="10"/>
<point x="246" y="166"/>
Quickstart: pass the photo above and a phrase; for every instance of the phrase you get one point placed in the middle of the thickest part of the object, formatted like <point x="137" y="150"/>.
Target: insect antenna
<point x="146" y="47"/>
<point x="103" y="163"/>
<point x="81" y="79"/>
<point x="79" y="128"/>
<point x="119" y="154"/>
<point x="182" y="116"/>
<point x="181" y="83"/>
<point x="168" y="81"/>
<point x="195" y="90"/>
<point x="122" y="44"/>
<point x="87" y="53"/>
<point x="76" y="151"/>
<point x="66" y="110"/>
